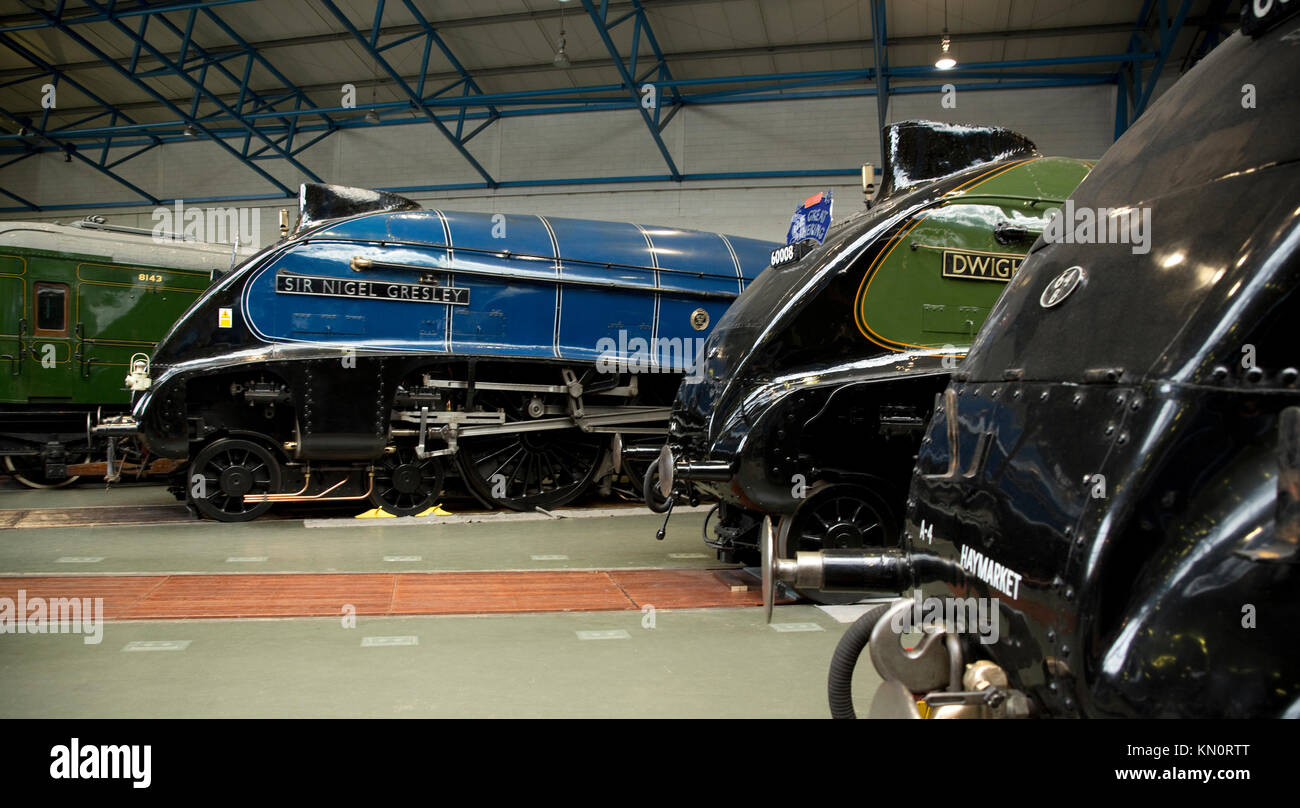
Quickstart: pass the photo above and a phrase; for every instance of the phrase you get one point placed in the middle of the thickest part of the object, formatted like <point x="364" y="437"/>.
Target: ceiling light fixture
<point x="946" y="61"/>
<point x="190" y="131"/>
<point x="372" y="116"/>
<point x="561" y="56"/>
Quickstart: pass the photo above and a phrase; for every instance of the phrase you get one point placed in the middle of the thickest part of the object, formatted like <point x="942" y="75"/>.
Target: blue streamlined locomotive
<point x="351" y="360"/>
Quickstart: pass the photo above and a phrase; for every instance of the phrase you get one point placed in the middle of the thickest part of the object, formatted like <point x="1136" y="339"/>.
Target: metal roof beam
<point x="29" y="21"/>
<point x="1132" y="92"/>
<point x="256" y="56"/>
<point x="677" y="56"/>
<point x="68" y="149"/>
<point x="1169" y="28"/>
<point x="1006" y="69"/>
<point x="120" y="9"/>
<point x="198" y="85"/>
<point x="660" y="59"/>
<point x="157" y="96"/>
<point x="750" y="95"/>
<point x="404" y="86"/>
<point x="880" y="56"/>
<point x="432" y="37"/>
<point x="598" y="17"/>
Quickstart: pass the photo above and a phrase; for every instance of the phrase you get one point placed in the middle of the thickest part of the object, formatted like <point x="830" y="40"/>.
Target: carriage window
<point x="51" y="309"/>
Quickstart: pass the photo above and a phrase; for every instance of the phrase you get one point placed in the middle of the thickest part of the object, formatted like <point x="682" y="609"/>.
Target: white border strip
<point x="474" y="518"/>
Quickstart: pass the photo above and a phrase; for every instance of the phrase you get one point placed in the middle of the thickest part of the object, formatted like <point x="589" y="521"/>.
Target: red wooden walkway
<point x="139" y="597"/>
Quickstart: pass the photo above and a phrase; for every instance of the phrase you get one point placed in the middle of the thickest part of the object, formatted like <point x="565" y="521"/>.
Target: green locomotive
<point x="78" y="305"/>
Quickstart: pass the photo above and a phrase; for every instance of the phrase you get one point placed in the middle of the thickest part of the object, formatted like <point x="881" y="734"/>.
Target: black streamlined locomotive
<point x="350" y="361"/>
<point x="1116" y="466"/>
<point x="818" y="381"/>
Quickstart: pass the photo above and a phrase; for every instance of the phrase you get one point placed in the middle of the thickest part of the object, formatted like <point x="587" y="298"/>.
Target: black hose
<point x="705" y="529"/>
<point x="839" y="683"/>
<point x="653" y="500"/>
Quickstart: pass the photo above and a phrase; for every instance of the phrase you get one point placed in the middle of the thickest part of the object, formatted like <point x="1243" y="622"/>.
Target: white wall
<point x="768" y="136"/>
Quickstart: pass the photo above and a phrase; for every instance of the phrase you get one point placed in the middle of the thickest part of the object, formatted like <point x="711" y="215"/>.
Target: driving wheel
<point x="525" y="470"/>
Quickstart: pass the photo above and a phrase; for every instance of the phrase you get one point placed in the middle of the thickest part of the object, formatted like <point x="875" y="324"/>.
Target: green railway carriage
<point x="77" y="304"/>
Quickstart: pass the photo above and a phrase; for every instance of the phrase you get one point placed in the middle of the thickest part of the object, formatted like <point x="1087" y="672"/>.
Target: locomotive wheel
<point x="231" y="468"/>
<point x="29" y="471"/>
<point x="406" y="485"/>
<point x="547" y="469"/>
<point x="841" y="516"/>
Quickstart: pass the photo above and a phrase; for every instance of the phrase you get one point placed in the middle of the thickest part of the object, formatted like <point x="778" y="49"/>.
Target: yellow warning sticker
<point x="224" y="318"/>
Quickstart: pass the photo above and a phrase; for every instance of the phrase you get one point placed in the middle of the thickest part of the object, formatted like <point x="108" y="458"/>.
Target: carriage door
<point x="14" y="322"/>
<point x="48" y="363"/>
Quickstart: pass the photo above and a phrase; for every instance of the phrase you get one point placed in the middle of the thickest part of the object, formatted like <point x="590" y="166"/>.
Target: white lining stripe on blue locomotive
<point x="559" y="288"/>
<point x="504" y="316"/>
<point x="740" y="275"/>
<point x="654" y="260"/>
<point x="451" y="279"/>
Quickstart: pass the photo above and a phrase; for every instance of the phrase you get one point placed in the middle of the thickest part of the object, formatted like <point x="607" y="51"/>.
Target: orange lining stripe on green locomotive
<point x="897" y="239"/>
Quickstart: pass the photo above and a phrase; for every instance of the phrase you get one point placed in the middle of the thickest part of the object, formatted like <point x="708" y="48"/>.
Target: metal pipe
<point x="707" y="471"/>
<point x="321" y="497"/>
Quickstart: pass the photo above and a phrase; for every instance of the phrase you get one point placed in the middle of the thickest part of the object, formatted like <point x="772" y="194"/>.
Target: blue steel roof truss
<point x="633" y="83"/>
<point x="280" y="121"/>
<point x="415" y="96"/>
<point x="69" y="149"/>
<point x="1133" y="89"/>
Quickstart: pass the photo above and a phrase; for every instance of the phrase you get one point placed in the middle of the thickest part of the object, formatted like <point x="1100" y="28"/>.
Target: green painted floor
<point x="693" y="663"/>
<point x="82" y="495"/>
<point x="715" y="663"/>
<point x="288" y="546"/>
